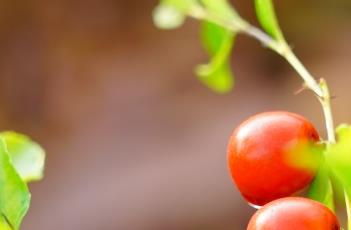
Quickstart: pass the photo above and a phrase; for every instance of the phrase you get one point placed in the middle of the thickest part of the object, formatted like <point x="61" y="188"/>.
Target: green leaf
<point x="305" y="155"/>
<point x="268" y="19"/>
<point x="4" y="225"/>
<point x="321" y="188"/>
<point x="27" y="156"/>
<point x="217" y="74"/>
<point x="213" y="37"/>
<point x="339" y="156"/>
<point x="14" y="194"/>
<point x="220" y="80"/>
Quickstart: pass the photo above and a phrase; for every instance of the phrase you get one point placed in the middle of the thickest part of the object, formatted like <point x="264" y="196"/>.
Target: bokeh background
<point x="133" y="140"/>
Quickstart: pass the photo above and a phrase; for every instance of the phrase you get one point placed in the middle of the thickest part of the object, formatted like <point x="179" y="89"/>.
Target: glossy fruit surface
<point x="257" y="156"/>
<point x="294" y="213"/>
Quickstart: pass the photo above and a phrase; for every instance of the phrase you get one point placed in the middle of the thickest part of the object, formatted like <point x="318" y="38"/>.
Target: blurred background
<point x="134" y="141"/>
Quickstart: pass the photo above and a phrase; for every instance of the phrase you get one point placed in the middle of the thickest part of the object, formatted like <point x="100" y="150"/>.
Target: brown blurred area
<point x="133" y="140"/>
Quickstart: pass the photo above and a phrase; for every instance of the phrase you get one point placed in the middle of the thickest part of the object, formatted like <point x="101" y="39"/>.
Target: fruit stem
<point x="320" y="89"/>
<point x="281" y="47"/>
<point x="326" y="104"/>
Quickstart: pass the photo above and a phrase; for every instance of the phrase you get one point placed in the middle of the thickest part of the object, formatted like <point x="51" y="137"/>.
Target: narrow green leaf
<point x="213" y="37"/>
<point x="321" y="188"/>
<point x="219" y="80"/>
<point x="217" y="74"/>
<point x="14" y="194"/>
<point x="268" y="19"/>
<point x="27" y="156"/>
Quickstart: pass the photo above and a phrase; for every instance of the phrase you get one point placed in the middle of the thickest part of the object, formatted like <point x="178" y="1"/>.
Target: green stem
<point x="309" y="80"/>
<point x="325" y="101"/>
<point x="282" y="48"/>
<point x="320" y="89"/>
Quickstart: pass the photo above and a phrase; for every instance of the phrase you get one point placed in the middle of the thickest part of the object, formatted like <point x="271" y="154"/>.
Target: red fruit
<point x="257" y="156"/>
<point x="294" y="213"/>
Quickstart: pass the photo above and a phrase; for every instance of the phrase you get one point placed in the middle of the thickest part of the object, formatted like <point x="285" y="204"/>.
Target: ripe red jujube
<point x="257" y="156"/>
<point x="294" y="213"/>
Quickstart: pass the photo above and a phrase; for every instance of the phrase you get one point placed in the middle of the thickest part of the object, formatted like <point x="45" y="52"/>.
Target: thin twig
<point x="282" y="48"/>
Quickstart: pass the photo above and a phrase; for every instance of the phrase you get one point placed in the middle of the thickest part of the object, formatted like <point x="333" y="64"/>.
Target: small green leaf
<point x="27" y="156"/>
<point x="305" y="155"/>
<point x="217" y="74"/>
<point x="168" y="17"/>
<point x="219" y="80"/>
<point x="213" y="37"/>
<point x="339" y="156"/>
<point x="268" y="19"/>
<point x="14" y="194"/>
<point x="321" y="188"/>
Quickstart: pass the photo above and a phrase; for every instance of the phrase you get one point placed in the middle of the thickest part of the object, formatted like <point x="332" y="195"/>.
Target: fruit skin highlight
<point x="257" y="156"/>
<point x="294" y="213"/>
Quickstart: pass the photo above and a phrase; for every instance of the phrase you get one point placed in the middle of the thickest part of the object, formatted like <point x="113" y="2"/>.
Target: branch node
<point x="301" y="89"/>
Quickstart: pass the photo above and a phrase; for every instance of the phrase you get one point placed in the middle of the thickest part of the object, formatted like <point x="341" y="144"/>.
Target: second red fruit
<point x="257" y="154"/>
<point x="294" y="213"/>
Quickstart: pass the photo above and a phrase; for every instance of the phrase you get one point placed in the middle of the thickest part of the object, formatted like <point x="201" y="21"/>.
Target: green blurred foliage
<point x="218" y="42"/>
<point x="268" y="19"/>
<point x="14" y="194"/>
<point x="27" y="156"/>
<point x="339" y="156"/>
